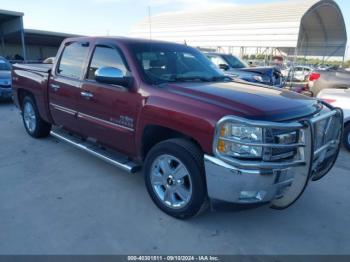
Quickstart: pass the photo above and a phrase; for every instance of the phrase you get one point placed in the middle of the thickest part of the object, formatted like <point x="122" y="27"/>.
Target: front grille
<point x="280" y="149"/>
<point x="325" y="132"/>
<point x="275" y="154"/>
<point x="278" y="153"/>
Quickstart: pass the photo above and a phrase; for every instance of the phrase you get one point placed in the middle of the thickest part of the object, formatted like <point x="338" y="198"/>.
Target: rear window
<point x="72" y="60"/>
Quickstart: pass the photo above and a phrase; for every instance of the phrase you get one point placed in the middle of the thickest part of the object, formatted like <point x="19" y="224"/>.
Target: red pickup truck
<point x="196" y="133"/>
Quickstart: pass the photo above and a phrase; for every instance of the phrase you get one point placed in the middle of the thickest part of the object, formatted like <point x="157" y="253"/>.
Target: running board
<point x="113" y="158"/>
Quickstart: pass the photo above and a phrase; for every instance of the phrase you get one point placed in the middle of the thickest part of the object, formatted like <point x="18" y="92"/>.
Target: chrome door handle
<point x="55" y="87"/>
<point x="87" y="95"/>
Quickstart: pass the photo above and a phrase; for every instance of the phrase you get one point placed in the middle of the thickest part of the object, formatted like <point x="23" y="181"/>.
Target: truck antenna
<point x="150" y="22"/>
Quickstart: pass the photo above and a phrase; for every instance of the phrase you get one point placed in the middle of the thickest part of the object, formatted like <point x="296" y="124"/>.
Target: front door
<point x="107" y="113"/>
<point x="65" y="84"/>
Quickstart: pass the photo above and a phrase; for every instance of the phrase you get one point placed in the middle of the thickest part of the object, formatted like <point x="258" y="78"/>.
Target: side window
<point x="72" y="60"/>
<point x="105" y="57"/>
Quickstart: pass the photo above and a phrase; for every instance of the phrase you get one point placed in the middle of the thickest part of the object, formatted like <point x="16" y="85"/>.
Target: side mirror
<point x="224" y="67"/>
<point x="111" y="75"/>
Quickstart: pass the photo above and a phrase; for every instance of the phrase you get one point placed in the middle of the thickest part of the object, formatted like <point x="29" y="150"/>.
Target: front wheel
<point x="346" y="137"/>
<point x="174" y="177"/>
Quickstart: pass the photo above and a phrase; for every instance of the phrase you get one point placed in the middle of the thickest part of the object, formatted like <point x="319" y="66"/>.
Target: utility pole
<point x="150" y="22"/>
<point x="24" y="53"/>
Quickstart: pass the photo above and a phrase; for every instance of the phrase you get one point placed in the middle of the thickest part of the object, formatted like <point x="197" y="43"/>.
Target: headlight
<point x="235" y="138"/>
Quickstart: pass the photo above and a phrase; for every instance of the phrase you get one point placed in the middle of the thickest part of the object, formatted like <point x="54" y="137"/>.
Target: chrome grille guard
<point x="306" y="153"/>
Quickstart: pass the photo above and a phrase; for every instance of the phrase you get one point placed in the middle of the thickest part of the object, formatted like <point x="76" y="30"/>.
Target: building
<point x="303" y="28"/>
<point x="17" y="43"/>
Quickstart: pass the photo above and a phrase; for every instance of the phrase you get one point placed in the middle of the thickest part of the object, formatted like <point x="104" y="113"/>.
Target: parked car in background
<point x="285" y="71"/>
<point x="326" y="67"/>
<point x="237" y="68"/>
<point x="339" y="98"/>
<point x="165" y="107"/>
<point x="328" y="79"/>
<point x="5" y="79"/>
<point x="299" y="73"/>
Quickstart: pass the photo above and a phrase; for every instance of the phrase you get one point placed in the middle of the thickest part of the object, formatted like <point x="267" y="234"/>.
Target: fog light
<point x="252" y="195"/>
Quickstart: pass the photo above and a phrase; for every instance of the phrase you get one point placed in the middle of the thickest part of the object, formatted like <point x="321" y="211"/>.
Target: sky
<point x="112" y="17"/>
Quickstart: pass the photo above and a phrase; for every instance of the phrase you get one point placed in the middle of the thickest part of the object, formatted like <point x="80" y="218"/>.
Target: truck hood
<point x="245" y="100"/>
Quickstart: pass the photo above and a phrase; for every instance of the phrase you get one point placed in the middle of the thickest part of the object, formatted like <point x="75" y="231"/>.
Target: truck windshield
<point x="162" y="63"/>
<point x="235" y="62"/>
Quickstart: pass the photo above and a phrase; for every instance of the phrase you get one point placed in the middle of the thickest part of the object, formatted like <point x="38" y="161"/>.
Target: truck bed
<point x="33" y="78"/>
<point x="43" y="68"/>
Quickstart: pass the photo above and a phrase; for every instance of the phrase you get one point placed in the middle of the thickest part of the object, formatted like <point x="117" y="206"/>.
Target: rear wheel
<point x="346" y="137"/>
<point x="34" y="124"/>
<point x="174" y="177"/>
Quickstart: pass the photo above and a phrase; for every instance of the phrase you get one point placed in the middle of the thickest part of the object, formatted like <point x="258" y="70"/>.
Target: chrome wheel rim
<point x="171" y="181"/>
<point x="29" y="117"/>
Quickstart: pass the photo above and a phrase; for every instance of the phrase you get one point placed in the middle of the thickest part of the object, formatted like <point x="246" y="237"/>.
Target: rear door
<point x="65" y="84"/>
<point x="108" y="113"/>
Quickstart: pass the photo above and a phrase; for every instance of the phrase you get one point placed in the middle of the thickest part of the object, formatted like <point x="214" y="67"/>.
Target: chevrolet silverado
<point x="166" y="109"/>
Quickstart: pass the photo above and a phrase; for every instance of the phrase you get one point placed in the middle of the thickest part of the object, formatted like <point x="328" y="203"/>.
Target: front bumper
<point x="230" y="184"/>
<point x="246" y="182"/>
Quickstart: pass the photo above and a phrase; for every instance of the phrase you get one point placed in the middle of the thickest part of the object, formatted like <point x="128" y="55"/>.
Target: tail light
<point x="314" y="76"/>
<point x="329" y="100"/>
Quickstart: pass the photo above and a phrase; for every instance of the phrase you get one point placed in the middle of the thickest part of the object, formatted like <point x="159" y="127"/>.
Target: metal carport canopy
<point x="12" y="23"/>
<point x="315" y="28"/>
<point x="47" y="38"/>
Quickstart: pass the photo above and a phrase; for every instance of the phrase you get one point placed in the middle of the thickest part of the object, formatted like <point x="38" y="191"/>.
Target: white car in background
<point x="339" y="98"/>
<point x="300" y="73"/>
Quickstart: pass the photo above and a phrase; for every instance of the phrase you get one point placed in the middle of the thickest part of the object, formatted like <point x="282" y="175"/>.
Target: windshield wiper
<point x="195" y="79"/>
<point x="201" y="78"/>
<point x="190" y="78"/>
<point x="220" y="78"/>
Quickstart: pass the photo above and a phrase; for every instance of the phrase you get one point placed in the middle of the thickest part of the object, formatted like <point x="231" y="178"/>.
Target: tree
<point x="347" y="64"/>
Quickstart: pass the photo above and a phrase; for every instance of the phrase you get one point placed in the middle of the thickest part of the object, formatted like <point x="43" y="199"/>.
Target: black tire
<point x="42" y="128"/>
<point x="346" y="137"/>
<point x="192" y="158"/>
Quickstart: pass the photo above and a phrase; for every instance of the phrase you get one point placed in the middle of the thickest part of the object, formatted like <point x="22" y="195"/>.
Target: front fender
<point x="179" y="116"/>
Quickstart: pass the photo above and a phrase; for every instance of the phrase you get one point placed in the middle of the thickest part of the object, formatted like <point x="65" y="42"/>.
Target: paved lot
<point x="55" y="199"/>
